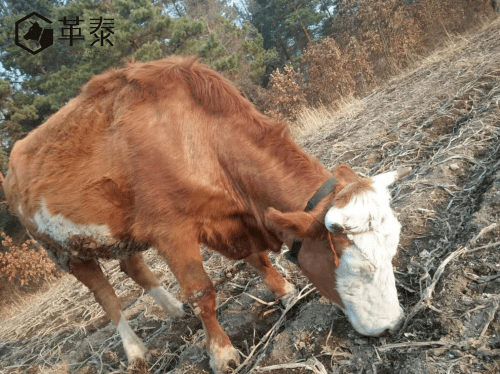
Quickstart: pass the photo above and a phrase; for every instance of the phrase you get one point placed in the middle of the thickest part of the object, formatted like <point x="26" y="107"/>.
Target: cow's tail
<point x="2" y="179"/>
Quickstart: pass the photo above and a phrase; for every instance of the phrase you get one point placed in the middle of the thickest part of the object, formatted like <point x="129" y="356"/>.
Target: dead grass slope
<point x="443" y="119"/>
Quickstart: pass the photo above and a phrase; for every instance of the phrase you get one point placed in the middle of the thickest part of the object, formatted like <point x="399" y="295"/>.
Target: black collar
<point x="326" y="188"/>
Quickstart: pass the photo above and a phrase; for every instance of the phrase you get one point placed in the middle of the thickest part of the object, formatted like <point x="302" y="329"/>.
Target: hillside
<point x="442" y="119"/>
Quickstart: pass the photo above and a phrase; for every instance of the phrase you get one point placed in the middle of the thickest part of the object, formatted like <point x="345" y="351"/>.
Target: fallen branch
<point x="313" y="365"/>
<point x="264" y="342"/>
<point x="484" y="247"/>
<point x="426" y="297"/>
<point x="388" y="347"/>
<point x="425" y="300"/>
<point x="487" y="278"/>
<point x="484" y="231"/>
<point x="259" y="300"/>
<point x="491" y="316"/>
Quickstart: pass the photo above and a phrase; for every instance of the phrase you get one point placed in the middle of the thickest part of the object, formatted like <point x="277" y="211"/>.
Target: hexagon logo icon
<point x="37" y="32"/>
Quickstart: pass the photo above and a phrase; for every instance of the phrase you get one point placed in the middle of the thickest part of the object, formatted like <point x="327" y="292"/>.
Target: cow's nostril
<point x="393" y="330"/>
<point x="386" y="332"/>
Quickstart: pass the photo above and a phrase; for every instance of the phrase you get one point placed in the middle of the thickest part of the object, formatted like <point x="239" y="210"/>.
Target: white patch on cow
<point x="290" y="288"/>
<point x="20" y="210"/>
<point x="365" y="277"/>
<point x="222" y="357"/>
<point x="60" y="229"/>
<point x="170" y="304"/>
<point x="290" y="293"/>
<point x="133" y="345"/>
<point x="384" y="180"/>
<point x="368" y="211"/>
<point x="368" y="292"/>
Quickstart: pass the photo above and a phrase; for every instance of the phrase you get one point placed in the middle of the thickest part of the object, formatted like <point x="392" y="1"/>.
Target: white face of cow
<point x="365" y="278"/>
<point x="365" y="235"/>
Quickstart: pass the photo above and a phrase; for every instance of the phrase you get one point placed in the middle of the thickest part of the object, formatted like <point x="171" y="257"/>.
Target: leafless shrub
<point x="25" y="264"/>
<point x="286" y="95"/>
<point x="371" y="40"/>
<point x="336" y="72"/>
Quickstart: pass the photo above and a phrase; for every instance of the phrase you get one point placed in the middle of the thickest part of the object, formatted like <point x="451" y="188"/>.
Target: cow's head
<point x="34" y="32"/>
<point x="359" y="227"/>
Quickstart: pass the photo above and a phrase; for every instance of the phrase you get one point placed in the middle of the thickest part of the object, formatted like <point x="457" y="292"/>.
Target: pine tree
<point x="289" y="25"/>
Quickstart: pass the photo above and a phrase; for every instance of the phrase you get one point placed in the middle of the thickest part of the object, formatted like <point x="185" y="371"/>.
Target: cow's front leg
<point x="282" y="289"/>
<point x="223" y="356"/>
<point x="184" y="259"/>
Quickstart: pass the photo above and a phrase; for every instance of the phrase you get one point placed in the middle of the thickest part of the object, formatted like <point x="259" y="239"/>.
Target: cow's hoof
<point x="138" y="366"/>
<point x="224" y="359"/>
<point x="172" y="307"/>
<point x="177" y="310"/>
<point x="290" y="294"/>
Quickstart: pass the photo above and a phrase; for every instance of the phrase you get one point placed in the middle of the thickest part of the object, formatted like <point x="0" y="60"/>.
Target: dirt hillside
<point x="443" y="120"/>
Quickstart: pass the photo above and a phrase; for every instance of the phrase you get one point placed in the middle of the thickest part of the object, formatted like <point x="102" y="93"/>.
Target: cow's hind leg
<point x="90" y="274"/>
<point x="184" y="260"/>
<point x="282" y="289"/>
<point x="137" y="269"/>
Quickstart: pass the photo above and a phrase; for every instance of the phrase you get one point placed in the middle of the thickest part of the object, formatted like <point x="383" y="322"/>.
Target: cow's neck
<point x="303" y="176"/>
<point x="283" y="176"/>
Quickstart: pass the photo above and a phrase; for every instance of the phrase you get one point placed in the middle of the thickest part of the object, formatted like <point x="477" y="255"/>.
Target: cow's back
<point x="131" y="153"/>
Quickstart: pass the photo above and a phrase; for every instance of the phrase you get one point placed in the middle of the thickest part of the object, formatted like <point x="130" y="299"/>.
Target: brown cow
<point x="168" y="154"/>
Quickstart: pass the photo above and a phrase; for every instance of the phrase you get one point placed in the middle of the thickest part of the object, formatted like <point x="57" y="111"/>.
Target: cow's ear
<point x="300" y="224"/>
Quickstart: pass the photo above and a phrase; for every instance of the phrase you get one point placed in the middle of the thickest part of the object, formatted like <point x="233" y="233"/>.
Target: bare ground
<point x="443" y="119"/>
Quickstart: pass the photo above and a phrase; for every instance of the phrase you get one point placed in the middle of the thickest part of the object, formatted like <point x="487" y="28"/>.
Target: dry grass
<point x="311" y="120"/>
<point x="398" y="108"/>
<point x="66" y="313"/>
<point x="369" y="42"/>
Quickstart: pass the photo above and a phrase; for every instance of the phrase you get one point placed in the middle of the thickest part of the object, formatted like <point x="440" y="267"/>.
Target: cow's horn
<point x="389" y="177"/>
